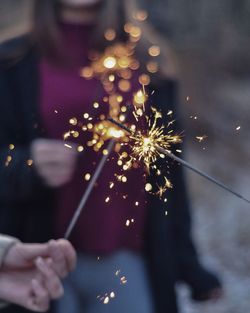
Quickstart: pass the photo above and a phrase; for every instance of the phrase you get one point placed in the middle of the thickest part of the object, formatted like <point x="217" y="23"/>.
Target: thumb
<point x="22" y="254"/>
<point x="33" y="250"/>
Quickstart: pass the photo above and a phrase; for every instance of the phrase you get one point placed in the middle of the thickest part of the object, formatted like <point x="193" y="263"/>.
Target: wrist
<point x="4" y="289"/>
<point x="6" y="243"/>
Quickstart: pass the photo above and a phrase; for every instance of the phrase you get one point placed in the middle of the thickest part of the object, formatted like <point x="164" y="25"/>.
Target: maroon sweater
<point x="65" y="94"/>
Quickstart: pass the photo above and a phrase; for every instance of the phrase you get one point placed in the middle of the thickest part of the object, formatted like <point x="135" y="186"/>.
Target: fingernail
<point x="60" y="292"/>
<point x="49" y="261"/>
<point x="40" y="263"/>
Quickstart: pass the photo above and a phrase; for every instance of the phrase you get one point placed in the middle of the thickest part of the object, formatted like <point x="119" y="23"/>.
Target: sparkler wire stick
<point x="186" y="164"/>
<point x="89" y="189"/>
<point x="197" y="171"/>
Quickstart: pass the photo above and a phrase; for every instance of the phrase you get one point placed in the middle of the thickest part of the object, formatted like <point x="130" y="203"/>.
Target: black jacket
<point x="26" y="204"/>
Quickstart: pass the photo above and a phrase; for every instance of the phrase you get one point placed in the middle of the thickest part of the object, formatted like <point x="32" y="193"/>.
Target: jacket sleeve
<point x="189" y="268"/>
<point x="2" y="304"/>
<point x="6" y="242"/>
<point x="18" y="178"/>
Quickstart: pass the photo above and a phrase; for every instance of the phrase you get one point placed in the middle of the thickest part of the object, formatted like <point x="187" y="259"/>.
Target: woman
<point x="40" y="93"/>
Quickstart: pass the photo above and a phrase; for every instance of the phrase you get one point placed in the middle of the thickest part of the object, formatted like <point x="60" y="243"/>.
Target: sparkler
<point x="150" y="147"/>
<point x="114" y="70"/>
<point x="145" y="147"/>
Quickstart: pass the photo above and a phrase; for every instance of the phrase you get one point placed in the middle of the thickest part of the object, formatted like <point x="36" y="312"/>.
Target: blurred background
<point x="212" y="42"/>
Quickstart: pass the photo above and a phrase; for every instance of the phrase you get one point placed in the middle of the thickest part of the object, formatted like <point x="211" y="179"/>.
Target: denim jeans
<point x="112" y="284"/>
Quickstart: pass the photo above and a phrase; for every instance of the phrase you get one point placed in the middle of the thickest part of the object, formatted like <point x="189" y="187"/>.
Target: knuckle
<point x="44" y="297"/>
<point x="60" y="292"/>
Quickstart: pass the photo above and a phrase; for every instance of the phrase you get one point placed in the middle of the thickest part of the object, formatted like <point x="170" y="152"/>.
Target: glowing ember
<point x="73" y="121"/>
<point x="116" y="59"/>
<point x="106" y="300"/>
<point x="123" y="280"/>
<point x="110" y="34"/>
<point x="162" y="189"/>
<point x="154" y="51"/>
<point x="68" y="146"/>
<point x="111" y="185"/>
<point x="140" y="97"/>
<point x="87" y="177"/>
<point x="145" y="147"/>
<point x="109" y="62"/>
<point x="140" y="15"/>
<point x="201" y="138"/>
<point x="107" y="199"/>
<point x="30" y="162"/>
<point x="148" y="187"/>
<point x="80" y="148"/>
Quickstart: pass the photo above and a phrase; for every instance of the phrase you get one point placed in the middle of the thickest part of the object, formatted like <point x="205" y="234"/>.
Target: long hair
<point x="46" y="31"/>
<point x="45" y="26"/>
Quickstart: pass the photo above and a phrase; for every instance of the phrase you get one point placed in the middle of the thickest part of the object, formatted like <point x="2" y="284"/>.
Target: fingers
<point x="45" y="287"/>
<point x="58" y="258"/>
<point x="22" y="255"/>
<point x="61" y="252"/>
<point x="53" y="161"/>
<point x="69" y="253"/>
<point x="39" y="302"/>
<point x="50" y="279"/>
<point x="45" y="151"/>
<point x="47" y="145"/>
<point x="32" y="250"/>
<point x="55" y="175"/>
<point x="63" y="255"/>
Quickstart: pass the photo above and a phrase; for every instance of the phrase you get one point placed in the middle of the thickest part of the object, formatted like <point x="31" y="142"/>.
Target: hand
<point x="31" y="288"/>
<point x="22" y="256"/>
<point x="54" y="162"/>
<point x="32" y="273"/>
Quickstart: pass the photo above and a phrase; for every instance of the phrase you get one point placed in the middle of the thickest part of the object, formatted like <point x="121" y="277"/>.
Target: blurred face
<point x="80" y="3"/>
